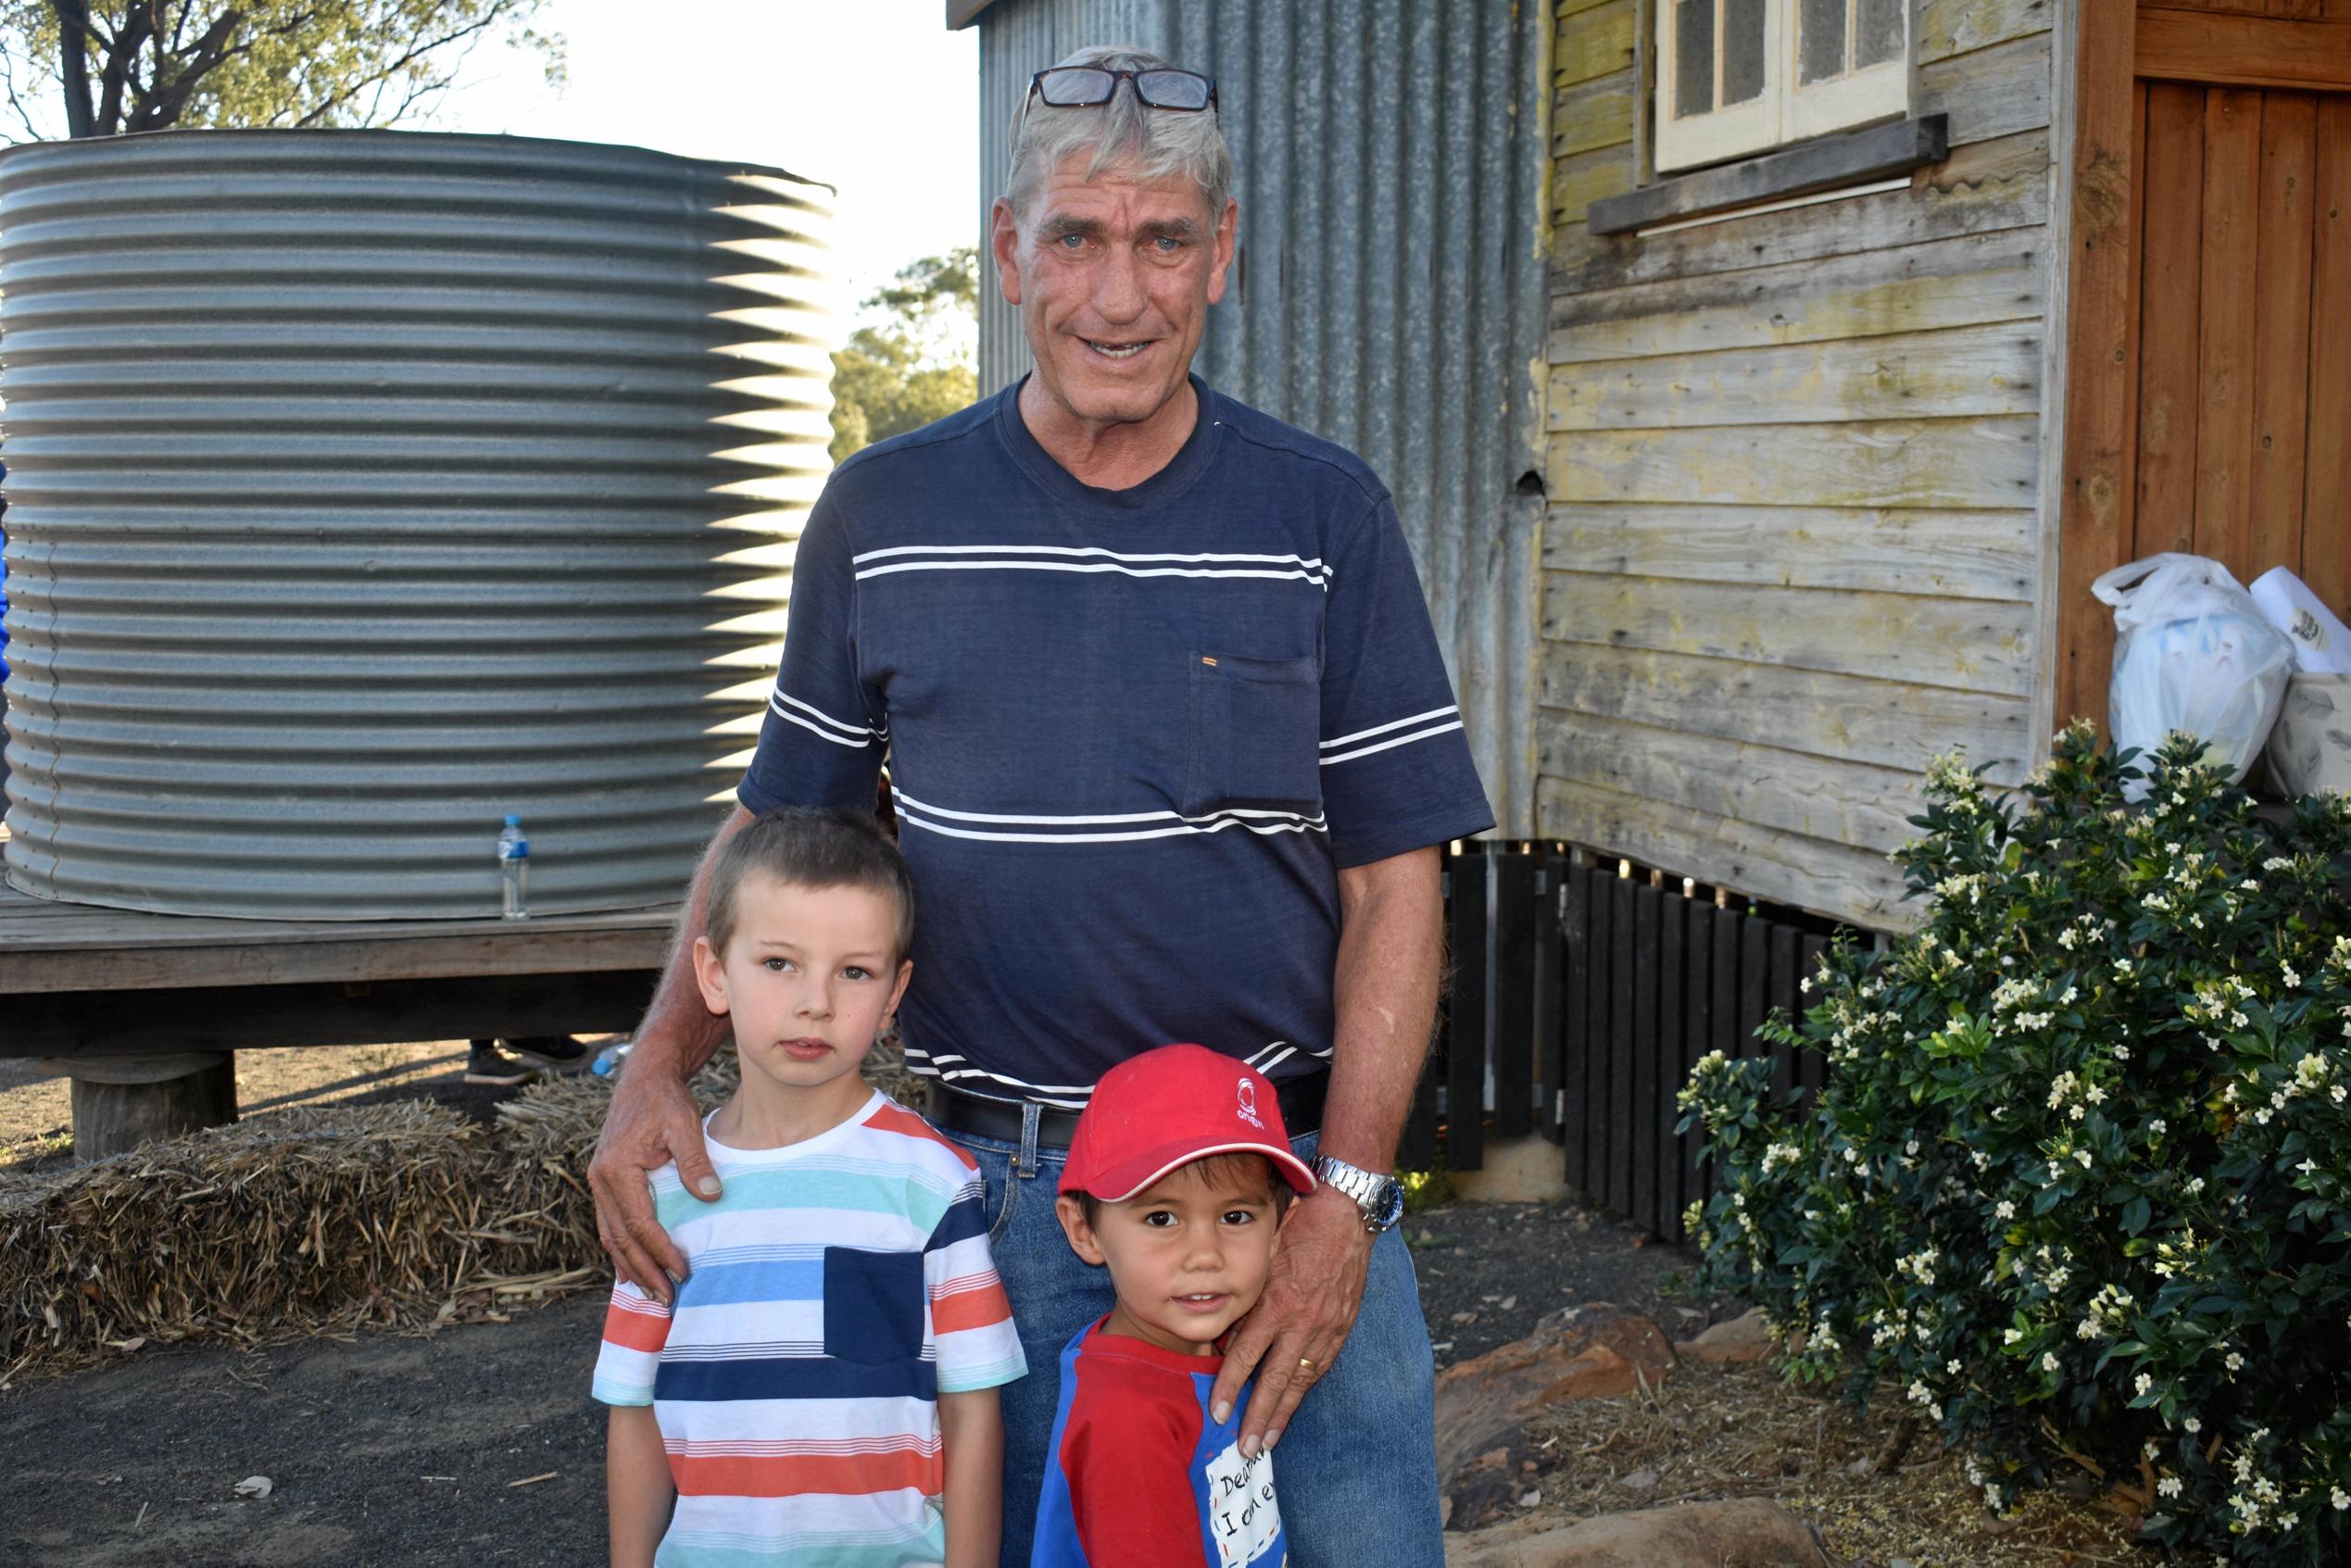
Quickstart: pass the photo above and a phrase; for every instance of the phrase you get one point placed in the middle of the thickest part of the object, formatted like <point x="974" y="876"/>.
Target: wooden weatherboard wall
<point x="1793" y="545"/>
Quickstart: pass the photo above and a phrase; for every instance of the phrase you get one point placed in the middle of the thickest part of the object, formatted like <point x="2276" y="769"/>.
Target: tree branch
<point x="322" y="113"/>
<point x="8" y="80"/>
<point x="73" y="40"/>
<point x="170" y="98"/>
<point x="122" y="58"/>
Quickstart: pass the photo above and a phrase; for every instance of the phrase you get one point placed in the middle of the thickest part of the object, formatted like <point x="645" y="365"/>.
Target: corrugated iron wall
<point x="367" y="486"/>
<point x="1389" y="293"/>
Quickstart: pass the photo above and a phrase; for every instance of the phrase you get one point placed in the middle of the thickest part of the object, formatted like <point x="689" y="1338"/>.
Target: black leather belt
<point x="950" y="1108"/>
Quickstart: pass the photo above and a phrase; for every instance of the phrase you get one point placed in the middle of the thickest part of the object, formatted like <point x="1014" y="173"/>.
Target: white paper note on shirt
<point x="1241" y="1511"/>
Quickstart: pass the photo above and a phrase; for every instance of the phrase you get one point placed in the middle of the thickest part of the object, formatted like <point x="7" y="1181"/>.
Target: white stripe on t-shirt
<point x="1336" y="742"/>
<point x="1383" y="745"/>
<point x="1014" y="829"/>
<point x="1092" y="552"/>
<point x="1316" y="577"/>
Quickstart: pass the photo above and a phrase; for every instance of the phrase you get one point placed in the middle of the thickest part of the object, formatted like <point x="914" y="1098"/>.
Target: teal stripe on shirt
<point x="831" y="1550"/>
<point x="806" y="1187"/>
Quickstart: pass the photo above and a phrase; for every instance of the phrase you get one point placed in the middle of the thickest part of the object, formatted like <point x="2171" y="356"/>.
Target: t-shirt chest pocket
<point x="873" y="1306"/>
<point x="1256" y="731"/>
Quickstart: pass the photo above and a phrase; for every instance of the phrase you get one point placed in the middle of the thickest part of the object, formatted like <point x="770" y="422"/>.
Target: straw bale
<point x="314" y="1221"/>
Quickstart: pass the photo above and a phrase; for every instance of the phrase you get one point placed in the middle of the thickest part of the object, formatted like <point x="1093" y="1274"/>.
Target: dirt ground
<point x="482" y="1446"/>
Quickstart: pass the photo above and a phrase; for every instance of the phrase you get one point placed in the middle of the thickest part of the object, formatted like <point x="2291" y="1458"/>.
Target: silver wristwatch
<point x="1380" y="1197"/>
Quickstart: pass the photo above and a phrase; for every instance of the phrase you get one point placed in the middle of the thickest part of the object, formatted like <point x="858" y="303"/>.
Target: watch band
<point x="1381" y="1198"/>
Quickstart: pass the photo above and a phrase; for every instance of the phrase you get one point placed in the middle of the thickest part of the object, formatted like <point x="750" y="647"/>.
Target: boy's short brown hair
<point x="805" y="846"/>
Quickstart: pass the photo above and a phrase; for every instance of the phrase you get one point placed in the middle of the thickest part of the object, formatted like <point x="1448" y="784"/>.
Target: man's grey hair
<point x="1125" y="133"/>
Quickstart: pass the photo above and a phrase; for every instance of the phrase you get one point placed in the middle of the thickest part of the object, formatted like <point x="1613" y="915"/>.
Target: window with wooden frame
<point x="1745" y="76"/>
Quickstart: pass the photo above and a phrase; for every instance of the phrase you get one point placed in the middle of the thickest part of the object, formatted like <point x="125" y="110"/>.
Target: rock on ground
<point x="1745" y="1533"/>
<point x="1483" y="1405"/>
<point x="1742" y="1340"/>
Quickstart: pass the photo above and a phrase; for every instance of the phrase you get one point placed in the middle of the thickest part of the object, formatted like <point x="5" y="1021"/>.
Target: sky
<point x="872" y="96"/>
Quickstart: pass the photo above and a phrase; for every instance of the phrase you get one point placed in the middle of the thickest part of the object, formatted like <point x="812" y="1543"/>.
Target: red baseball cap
<point x="1170" y="1107"/>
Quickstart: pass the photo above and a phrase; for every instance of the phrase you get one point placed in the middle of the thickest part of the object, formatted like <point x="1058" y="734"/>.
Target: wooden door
<point x="2208" y="405"/>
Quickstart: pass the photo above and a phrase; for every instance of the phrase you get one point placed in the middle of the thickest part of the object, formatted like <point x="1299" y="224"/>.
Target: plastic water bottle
<point x="611" y="1058"/>
<point x="515" y="868"/>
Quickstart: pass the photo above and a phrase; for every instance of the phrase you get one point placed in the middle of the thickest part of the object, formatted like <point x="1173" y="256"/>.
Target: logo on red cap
<point x="1163" y="1109"/>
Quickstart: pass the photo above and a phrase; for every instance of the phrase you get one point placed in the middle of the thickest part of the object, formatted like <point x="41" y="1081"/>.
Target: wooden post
<point x="2101" y="362"/>
<point x="119" y="1102"/>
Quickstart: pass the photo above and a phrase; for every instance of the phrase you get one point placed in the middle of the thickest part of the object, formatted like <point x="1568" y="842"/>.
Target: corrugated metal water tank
<point x="366" y="486"/>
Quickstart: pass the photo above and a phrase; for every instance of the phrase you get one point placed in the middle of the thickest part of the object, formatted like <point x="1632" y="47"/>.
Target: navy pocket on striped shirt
<point x="1256" y="735"/>
<point x="873" y="1306"/>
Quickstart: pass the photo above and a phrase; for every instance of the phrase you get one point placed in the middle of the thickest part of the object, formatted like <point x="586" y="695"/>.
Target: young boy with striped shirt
<point x="823" y="1390"/>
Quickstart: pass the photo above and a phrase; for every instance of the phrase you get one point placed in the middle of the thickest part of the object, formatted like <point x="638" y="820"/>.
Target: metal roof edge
<point x="962" y="13"/>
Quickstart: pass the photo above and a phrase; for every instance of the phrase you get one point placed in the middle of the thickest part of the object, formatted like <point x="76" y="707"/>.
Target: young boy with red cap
<point x="1179" y="1172"/>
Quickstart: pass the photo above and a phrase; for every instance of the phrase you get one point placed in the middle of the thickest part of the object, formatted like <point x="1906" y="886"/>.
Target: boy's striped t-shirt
<point x="835" y="1290"/>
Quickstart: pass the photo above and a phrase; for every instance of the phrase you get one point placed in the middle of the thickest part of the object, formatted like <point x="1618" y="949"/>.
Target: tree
<point x="147" y="65"/>
<point x="917" y="366"/>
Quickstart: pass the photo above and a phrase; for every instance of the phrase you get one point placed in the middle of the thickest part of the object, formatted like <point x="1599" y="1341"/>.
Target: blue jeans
<point x="1356" y="1470"/>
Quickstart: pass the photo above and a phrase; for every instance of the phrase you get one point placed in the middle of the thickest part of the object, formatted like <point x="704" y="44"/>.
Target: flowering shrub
<point x="2080" y="1185"/>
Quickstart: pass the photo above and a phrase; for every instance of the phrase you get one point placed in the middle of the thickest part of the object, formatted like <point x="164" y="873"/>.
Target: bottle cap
<point x="514" y="821"/>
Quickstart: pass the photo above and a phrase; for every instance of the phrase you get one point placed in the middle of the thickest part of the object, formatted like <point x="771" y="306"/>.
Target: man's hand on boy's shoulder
<point x="652" y="1120"/>
<point x="1312" y="1296"/>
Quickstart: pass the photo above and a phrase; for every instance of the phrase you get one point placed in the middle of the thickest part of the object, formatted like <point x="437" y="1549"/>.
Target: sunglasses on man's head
<point x="1086" y="87"/>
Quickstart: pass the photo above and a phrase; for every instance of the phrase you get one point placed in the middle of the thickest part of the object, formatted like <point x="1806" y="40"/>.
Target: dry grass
<point x="1728" y="1432"/>
<point x="313" y="1221"/>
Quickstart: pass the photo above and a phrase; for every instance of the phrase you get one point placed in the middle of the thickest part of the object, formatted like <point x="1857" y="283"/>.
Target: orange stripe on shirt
<point x="785" y="1476"/>
<point x="635" y="1330"/>
<point x="955" y="1310"/>
<point x="896" y="1118"/>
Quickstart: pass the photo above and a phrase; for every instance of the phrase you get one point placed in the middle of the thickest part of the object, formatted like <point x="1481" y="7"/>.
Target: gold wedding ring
<point x="1305" y="1365"/>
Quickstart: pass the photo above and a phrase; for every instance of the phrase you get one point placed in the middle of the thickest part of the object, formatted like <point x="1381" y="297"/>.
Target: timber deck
<point x="81" y="979"/>
<point x="51" y="946"/>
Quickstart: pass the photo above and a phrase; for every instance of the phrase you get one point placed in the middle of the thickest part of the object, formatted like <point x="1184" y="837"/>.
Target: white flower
<point x="2083" y="1155"/>
<point x="2007" y="1210"/>
<point x="2235" y="1362"/>
<point x="2169" y="1486"/>
<point x="2010" y="1335"/>
<point x="2158" y="1126"/>
<point x="1951" y="1367"/>
<point x="2048" y="1361"/>
<point x="2122" y="1053"/>
<point x="2196" y="1185"/>
<point x="2143" y="1383"/>
<point x="2193" y="1425"/>
<point x="2342" y="1498"/>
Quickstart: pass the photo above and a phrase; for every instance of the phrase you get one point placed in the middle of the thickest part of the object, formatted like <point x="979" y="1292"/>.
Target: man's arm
<point x="1391" y="952"/>
<point x="652" y="1120"/>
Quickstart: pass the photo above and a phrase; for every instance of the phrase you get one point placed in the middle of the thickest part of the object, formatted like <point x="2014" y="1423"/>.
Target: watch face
<point x="1388" y="1204"/>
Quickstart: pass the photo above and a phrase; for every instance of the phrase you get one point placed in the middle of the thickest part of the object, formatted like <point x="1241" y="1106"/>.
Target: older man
<point x="1172" y="747"/>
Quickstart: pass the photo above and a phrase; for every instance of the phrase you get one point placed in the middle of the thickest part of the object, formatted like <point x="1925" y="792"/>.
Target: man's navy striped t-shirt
<point x="1132" y="734"/>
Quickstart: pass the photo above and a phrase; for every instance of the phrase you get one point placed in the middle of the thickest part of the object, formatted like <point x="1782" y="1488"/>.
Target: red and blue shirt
<point x="1141" y="1476"/>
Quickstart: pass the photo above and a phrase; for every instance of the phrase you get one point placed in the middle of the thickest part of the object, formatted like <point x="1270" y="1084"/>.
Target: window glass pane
<point x="1694" y="58"/>
<point x="1742" y="50"/>
<point x="1820" y="43"/>
<point x="1880" y="29"/>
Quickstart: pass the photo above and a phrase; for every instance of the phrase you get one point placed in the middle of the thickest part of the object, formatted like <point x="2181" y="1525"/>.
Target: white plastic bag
<point x="2191" y="652"/>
